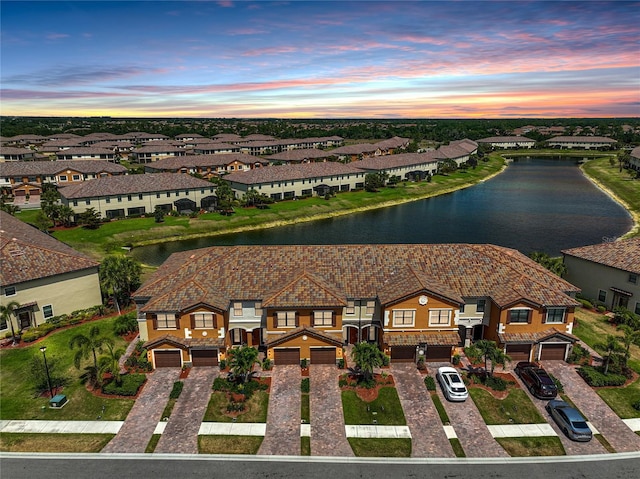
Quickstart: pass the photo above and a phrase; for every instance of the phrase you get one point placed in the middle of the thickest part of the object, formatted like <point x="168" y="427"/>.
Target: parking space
<point x="594" y="408"/>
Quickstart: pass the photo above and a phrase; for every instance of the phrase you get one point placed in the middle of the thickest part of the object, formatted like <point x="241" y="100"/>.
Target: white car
<point x="451" y="384"/>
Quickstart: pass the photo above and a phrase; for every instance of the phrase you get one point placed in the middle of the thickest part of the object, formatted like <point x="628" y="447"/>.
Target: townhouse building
<point x="44" y="276"/>
<point x="12" y="153"/>
<point x="508" y="142"/>
<point x="608" y="273"/>
<point x="208" y="166"/>
<point x="136" y="195"/>
<point x="309" y="302"/>
<point x="582" y="142"/>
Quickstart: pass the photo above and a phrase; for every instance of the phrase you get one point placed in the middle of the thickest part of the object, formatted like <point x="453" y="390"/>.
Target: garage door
<point x="286" y="356"/>
<point x="204" y="357"/>
<point x="167" y="359"/>
<point x="553" y="351"/>
<point x="403" y="354"/>
<point x="440" y="354"/>
<point x="323" y="356"/>
<point x="519" y="352"/>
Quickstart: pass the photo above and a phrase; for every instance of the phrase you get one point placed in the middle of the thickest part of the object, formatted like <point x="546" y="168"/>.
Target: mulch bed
<point x="98" y="393"/>
<point x="368" y="394"/>
<point x="498" y="394"/>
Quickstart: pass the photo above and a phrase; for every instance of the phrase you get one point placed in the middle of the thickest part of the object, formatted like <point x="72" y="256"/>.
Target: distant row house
<point x="634" y="159"/>
<point x="135" y="195"/>
<point x="26" y="178"/>
<point x="582" y="142"/>
<point x="207" y="166"/>
<point x="508" y="142"/>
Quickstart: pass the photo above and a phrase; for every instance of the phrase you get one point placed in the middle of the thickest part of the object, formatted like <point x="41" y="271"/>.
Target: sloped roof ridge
<point x="314" y="278"/>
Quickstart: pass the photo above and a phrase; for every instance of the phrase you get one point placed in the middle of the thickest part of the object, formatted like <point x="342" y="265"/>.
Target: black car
<point x="537" y="380"/>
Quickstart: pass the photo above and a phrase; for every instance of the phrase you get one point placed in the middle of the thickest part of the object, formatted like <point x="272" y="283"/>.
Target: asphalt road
<point x="98" y="466"/>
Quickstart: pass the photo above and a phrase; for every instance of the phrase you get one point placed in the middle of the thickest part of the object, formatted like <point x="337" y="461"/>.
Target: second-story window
<point x="404" y="317"/>
<point x="237" y="309"/>
<point x="633" y="278"/>
<point x="371" y="308"/>
<point x="519" y="315"/>
<point x="439" y="317"/>
<point x="322" y="318"/>
<point x="480" y="304"/>
<point x="286" y="319"/>
<point x="203" y="320"/>
<point x="166" y="321"/>
<point x="351" y="307"/>
<point x="555" y="315"/>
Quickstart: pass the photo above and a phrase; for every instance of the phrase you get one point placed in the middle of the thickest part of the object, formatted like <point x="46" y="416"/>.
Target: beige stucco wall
<point x="298" y="186"/>
<point x="65" y="293"/>
<point x="592" y="277"/>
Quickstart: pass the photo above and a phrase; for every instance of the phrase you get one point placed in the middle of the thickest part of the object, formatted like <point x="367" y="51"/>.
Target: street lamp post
<point x="46" y="368"/>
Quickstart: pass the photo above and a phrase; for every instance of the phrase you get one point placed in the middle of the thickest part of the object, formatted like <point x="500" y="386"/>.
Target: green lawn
<point x="621" y="399"/>
<point x="26" y="442"/>
<point x="305" y="411"/>
<point x="229" y="444"/>
<point x="444" y="417"/>
<point x="153" y="442"/>
<point x="620" y="183"/>
<point x="305" y="446"/>
<point x="110" y="237"/>
<point x="376" y="447"/>
<point x="255" y="411"/>
<point x="385" y="409"/>
<point x="516" y="408"/>
<point x="18" y="398"/>
<point x="532" y="446"/>
<point x="457" y="447"/>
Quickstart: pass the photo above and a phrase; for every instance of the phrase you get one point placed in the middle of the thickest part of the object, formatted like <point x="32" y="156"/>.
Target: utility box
<point x="58" y="401"/>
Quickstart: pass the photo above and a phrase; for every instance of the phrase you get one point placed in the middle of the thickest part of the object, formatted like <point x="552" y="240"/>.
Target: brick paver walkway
<point x="571" y="448"/>
<point x="427" y="433"/>
<point x="328" y="437"/>
<point x="472" y="432"/>
<point x="135" y="433"/>
<point x="283" y="418"/>
<point x="594" y="408"/>
<point x="181" y="433"/>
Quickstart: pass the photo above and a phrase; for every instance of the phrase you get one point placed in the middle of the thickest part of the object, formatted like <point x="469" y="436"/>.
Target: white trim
<point x="400" y="325"/>
<point x="435" y="325"/>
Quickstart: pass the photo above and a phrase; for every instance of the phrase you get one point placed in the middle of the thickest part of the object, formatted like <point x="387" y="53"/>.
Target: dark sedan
<point x="539" y="383"/>
<point x="569" y="419"/>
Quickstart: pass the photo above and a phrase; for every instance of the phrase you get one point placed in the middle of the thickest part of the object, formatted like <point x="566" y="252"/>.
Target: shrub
<point x="636" y="405"/>
<point x="129" y="386"/>
<point x="235" y="406"/>
<point x="586" y="303"/>
<point x="557" y="382"/>
<point x="456" y="359"/>
<point x="341" y="363"/>
<point x="495" y="383"/>
<point x="386" y="360"/>
<point x="223" y="364"/>
<point x="176" y="390"/>
<point x="601" y="309"/>
<point x="225" y="385"/>
<point x="31" y="335"/>
<point x="267" y="364"/>
<point x="304" y="385"/>
<point x="596" y="378"/>
<point x="125" y="324"/>
<point x="342" y="382"/>
<point x="578" y="355"/>
<point x="430" y="383"/>
<point x="304" y="363"/>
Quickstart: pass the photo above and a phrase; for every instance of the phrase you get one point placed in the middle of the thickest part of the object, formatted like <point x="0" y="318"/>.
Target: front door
<point x="24" y="319"/>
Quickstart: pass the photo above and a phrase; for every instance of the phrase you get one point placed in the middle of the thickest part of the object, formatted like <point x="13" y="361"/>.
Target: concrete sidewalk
<point x="259" y="429"/>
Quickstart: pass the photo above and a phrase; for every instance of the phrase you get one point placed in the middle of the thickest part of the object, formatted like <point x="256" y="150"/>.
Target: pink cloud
<point x="225" y="4"/>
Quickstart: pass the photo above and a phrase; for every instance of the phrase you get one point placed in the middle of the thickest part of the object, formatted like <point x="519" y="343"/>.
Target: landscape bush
<point x="586" y="303"/>
<point x="128" y="387"/>
<point x="176" y="390"/>
<point x="125" y="324"/>
<point x="596" y="378"/>
<point x="579" y="355"/>
<point x="430" y="383"/>
<point x="248" y="388"/>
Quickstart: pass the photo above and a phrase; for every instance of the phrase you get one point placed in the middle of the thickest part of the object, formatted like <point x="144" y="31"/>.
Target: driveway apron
<point x="283" y="418"/>
<point x="181" y="432"/>
<point x="594" y="408"/>
<point x="472" y="432"/>
<point x="571" y="448"/>
<point x="135" y="433"/>
<point x="428" y="438"/>
<point x="328" y="437"/>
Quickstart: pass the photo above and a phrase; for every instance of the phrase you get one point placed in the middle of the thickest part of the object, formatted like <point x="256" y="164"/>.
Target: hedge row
<point x="596" y="378"/>
<point x="129" y="386"/>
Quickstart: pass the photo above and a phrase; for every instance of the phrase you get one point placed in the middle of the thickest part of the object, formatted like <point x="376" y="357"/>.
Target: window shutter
<point x="275" y="320"/>
<point x="508" y="316"/>
<point x="155" y="321"/>
<point x="297" y="319"/>
<point x="215" y="320"/>
<point x="333" y="318"/>
<point x="177" y="321"/>
<point x="193" y="321"/>
<point x="529" y="316"/>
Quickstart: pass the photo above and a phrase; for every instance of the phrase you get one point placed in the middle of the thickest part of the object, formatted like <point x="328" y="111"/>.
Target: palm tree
<point x="6" y="311"/>
<point x="630" y="336"/>
<point x="87" y="344"/>
<point x="119" y="276"/>
<point x="491" y="352"/>
<point x="612" y="347"/>
<point x="367" y="356"/>
<point x="241" y="361"/>
<point x="110" y="363"/>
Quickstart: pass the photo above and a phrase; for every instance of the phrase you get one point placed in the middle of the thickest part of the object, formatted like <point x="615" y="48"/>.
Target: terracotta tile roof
<point x="12" y="150"/>
<point x="30" y="168"/>
<point x="352" y="271"/>
<point x="292" y="172"/>
<point x="85" y="150"/>
<point x="528" y="338"/>
<point x="331" y="338"/>
<point x="395" y="142"/>
<point x="200" y="161"/>
<point x="132" y="184"/>
<point x="409" y="281"/>
<point x="506" y="139"/>
<point x="27" y="254"/>
<point x="184" y="343"/>
<point x="356" y="149"/>
<point x="300" y="154"/>
<point x="431" y="339"/>
<point x="623" y="254"/>
<point x="582" y="139"/>
<point x="401" y="160"/>
<point x="305" y="290"/>
<point x="159" y="148"/>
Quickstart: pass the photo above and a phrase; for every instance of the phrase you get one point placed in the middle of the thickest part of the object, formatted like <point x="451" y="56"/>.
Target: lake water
<point x="535" y="205"/>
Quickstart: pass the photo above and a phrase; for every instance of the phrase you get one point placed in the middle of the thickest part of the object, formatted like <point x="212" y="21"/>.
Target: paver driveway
<point x="428" y="438"/>
<point x="181" y="433"/>
<point x="571" y="448"/>
<point x="135" y="433"/>
<point x="594" y="408"/>
<point x="472" y="432"/>
<point x="328" y="437"/>
<point x="283" y="418"/>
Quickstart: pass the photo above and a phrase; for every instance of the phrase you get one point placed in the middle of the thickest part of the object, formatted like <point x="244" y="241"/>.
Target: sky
<point x="320" y="59"/>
